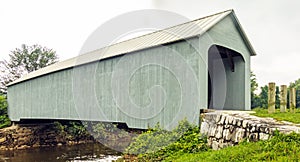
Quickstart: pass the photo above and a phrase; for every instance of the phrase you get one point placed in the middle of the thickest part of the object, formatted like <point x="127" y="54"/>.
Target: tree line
<point x="261" y="99"/>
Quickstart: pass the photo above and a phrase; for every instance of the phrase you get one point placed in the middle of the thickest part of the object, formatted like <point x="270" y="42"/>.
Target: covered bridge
<point x="163" y="77"/>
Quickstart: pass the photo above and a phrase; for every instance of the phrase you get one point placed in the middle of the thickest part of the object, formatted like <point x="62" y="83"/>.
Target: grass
<point x="287" y="116"/>
<point x="279" y="148"/>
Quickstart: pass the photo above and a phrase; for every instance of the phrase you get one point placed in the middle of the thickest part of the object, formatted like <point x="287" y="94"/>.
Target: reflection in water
<point x="80" y="152"/>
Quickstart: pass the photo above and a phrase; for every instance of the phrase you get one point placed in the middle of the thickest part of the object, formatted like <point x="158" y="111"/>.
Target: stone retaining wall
<point x="228" y="128"/>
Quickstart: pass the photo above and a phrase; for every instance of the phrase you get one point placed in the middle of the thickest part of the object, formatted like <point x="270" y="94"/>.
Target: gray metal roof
<point x="179" y="32"/>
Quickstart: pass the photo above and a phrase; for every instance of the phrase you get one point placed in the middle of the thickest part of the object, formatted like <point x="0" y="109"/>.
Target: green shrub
<point x="157" y="144"/>
<point x="107" y="131"/>
<point x="4" y="120"/>
<point x="75" y="129"/>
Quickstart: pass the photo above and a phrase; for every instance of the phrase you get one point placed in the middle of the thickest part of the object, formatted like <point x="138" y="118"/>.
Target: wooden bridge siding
<point x="85" y="92"/>
<point x="52" y="96"/>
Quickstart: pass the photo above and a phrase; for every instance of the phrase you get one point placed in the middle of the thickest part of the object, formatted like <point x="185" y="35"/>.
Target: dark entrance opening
<point x="226" y="79"/>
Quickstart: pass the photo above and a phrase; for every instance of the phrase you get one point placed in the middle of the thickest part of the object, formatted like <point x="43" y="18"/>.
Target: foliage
<point x="298" y="97"/>
<point x="103" y="130"/>
<point x="296" y="85"/>
<point x="254" y="84"/>
<point x="58" y="126"/>
<point x="8" y="74"/>
<point x="24" y="60"/>
<point x="4" y="120"/>
<point x="264" y="97"/>
<point x="287" y="116"/>
<point x="32" y="57"/>
<point x="255" y="100"/>
<point x="277" y="97"/>
<point x="261" y="100"/>
<point x="76" y="130"/>
<point x="71" y="130"/>
<point x="157" y="144"/>
<point x="279" y="148"/>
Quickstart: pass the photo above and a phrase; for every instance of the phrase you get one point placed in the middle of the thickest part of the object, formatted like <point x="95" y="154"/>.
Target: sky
<point x="64" y="25"/>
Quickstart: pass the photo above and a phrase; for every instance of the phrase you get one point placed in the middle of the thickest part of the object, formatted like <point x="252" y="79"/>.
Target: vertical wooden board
<point x="26" y="102"/>
<point x="68" y="95"/>
<point x="58" y="111"/>
<point x="44" y="95"/>
<point x="11" y="95"/>
<point x="106" y="108"/>
<point x="62" y="106"/>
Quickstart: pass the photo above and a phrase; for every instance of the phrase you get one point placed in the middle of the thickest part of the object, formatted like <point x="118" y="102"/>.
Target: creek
<point x="75" y="153"/>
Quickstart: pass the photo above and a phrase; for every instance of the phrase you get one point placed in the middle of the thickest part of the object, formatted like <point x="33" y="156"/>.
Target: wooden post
<point x="271" y="98"/>
<point x="283" y="98"/>
<point x="292" y="100"/>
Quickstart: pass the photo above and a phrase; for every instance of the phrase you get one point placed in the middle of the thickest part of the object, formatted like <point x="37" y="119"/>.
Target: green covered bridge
<point x="162" y="77"/>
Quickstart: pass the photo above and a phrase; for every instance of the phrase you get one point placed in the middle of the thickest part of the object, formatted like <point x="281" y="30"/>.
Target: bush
<point x="77" y="130"/>
<point x="107" y="131"/>
<point x="4" y="120"/>
<point x="157" y="144"/>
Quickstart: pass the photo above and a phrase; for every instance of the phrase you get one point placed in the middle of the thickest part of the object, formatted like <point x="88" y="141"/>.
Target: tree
<point x="255" y="100"/>
<point x="25" y="60"/>
<point x="264" y="97"/>
<point x="277" y="97"/>
<point x="8" y="74"/>
<point x="296" y="85"/>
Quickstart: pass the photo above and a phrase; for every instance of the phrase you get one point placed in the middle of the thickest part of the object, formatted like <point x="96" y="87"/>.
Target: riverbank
<point x="37" y="135"/>
<point x="23" y="136"/>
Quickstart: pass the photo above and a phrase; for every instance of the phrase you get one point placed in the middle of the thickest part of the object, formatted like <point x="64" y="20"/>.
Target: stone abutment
<point x="228" y="128"/>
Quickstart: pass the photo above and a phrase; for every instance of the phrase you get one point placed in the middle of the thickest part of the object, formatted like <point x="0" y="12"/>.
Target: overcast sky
<point x="271" y="25"/>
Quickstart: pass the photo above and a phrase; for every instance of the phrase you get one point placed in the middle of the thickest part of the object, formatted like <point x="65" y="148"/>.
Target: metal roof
<point x="179" y="32"/>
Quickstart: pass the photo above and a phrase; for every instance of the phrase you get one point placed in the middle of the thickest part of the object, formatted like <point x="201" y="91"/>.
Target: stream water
<point x="75" y="153"/>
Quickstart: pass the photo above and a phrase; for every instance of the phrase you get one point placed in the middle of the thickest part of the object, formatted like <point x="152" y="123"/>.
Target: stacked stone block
<point x="228" y="128"/>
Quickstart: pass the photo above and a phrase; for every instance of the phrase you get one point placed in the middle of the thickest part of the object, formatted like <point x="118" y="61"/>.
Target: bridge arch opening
<point x="226" y="79"/>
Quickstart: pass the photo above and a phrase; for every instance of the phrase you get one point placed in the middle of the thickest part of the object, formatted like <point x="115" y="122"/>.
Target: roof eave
<point x="243" y="34"/>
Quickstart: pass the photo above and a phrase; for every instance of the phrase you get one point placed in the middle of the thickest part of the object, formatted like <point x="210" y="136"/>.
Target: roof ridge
<point x="160" y="30"/>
